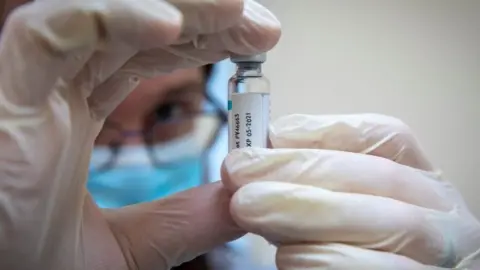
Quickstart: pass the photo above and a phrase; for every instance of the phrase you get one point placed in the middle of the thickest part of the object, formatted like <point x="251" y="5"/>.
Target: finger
<point x="257" y="31"/>
<point x="48" y="41"/>
<point x="198" y="17"/>
<point x="168" y="232"/>
<point x="109" y="94"/>
<point x="289" y="213"/>
<point x="342" y="257"/>
<point x="371" y="134"/>
<point x="205" y="17"/>
<point x="335" y="171"/>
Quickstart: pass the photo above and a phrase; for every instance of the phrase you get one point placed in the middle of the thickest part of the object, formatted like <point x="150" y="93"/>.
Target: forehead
<point x="162" y="85"/>
<point x="175" y="79"/>
<point x="151" y="92"/>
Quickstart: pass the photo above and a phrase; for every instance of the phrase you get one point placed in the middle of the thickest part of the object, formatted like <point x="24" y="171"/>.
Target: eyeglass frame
<point x="147" y="135"/>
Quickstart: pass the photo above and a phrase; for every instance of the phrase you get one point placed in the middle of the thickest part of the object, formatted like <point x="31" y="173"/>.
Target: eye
<point x="169" y="111"/>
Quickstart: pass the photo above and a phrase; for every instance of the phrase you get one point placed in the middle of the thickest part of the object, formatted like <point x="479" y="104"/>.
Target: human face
<point x="160" y="98"/>
<point x="144" y="150"/>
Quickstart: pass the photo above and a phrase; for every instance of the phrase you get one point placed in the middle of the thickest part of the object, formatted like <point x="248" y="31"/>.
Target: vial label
<point x="248" y="119"/>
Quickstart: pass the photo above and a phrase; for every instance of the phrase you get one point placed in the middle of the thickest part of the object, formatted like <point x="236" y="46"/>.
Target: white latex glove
<point x="64" y="65"/>
<point x="371" y="200"/>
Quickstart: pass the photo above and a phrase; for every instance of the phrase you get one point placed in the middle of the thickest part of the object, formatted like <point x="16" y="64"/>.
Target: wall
<point x="416" y="60"/>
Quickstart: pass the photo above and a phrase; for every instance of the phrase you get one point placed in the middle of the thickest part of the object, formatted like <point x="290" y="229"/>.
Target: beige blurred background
<point x="418" y="60"/>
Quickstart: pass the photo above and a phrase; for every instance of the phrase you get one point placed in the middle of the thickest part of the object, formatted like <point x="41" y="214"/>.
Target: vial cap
<point x="256" y="58"/>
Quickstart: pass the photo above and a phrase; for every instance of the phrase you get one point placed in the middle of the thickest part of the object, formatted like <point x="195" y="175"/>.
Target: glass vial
<point x="248" y="103"/>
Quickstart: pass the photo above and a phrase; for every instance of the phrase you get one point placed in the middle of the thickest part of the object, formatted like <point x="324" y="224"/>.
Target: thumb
<point x="371" y="134"/>
<point x="168" y="232"/>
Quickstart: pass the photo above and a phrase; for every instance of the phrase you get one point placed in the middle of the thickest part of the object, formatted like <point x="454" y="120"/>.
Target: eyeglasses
<point x="170" y="134"/>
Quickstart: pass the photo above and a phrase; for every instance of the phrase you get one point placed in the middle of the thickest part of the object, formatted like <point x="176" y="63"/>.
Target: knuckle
<point x="57" y="30"/>
<point x="24" y="25"/>
<point x="393" y="124"/>
<point x="209" y="16"/>
<point x="419" y="238"/>
<point x="396" y="174"/>
<point x="412" y="223"/>
<point x="19" y="20"/>
<point x="396" y="136"/>
<point x="389" y="169"/>
<point x="226" y="7"/>
<point x="235" y="7"/>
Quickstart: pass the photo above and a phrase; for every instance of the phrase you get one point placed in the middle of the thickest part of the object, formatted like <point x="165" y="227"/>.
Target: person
<point x="351" y="192"/>
<point x="153" y="144"/>
<point x="333" y="192"/>
<point x="81" y="59"/>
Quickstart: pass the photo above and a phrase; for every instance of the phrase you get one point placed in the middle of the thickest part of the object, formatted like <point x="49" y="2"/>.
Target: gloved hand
<point x="64" y="65"/>
<point x="350" y="192"/>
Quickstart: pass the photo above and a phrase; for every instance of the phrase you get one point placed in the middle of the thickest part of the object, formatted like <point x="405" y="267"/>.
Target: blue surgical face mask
<point x="134" y="179"/>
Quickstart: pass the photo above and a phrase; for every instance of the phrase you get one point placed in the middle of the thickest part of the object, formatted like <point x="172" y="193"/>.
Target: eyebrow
<point x="190" y="87"/>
